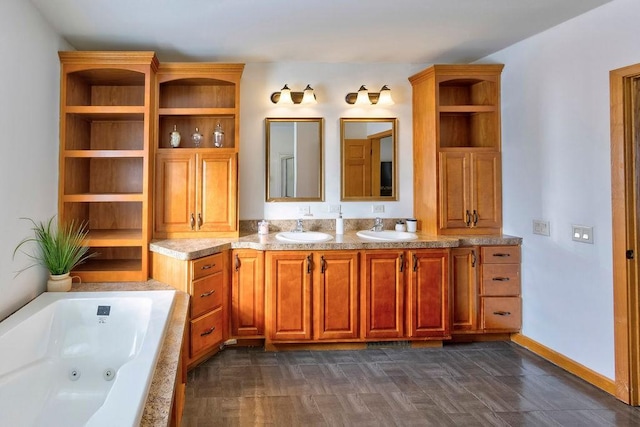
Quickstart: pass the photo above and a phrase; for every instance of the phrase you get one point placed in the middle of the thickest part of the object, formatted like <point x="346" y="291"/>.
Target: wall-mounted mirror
<point x="294" y="159"/>
<point x="369" y="160"/>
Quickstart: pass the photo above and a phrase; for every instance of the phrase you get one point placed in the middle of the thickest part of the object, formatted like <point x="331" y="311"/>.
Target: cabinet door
<point x="486" y="190"/>
<point x="336" y="295"/>
<point x="217" y="175"/>
<point x="465" y="289"/>
<point x="383" y="294"/>
<point x="455" y="203"/>
<point x="247" y="294"/>
<point x="428" y="299"/>
<point x="175" y="192"/>
<point x="288" y="276"/>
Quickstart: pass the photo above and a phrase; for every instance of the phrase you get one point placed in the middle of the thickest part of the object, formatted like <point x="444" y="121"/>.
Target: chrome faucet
<point x="298" y="228"/>
<point x="377" y="225"/>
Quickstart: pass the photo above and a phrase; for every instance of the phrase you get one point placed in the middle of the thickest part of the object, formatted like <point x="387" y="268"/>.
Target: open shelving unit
<point x="106" y="125"/>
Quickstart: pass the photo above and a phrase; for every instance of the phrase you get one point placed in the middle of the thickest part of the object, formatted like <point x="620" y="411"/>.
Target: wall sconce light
<point x="364" y="97"/>
<point x="285" y="96"/>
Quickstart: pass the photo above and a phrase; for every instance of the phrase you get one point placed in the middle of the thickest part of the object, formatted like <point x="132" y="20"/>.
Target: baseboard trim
<point x="565" y="363"/>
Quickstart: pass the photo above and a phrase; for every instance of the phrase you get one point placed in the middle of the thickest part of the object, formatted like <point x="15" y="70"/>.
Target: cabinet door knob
<point x="468" y="221"/>
<point x="308" y="264"/>
<point x="473" y="258"/>
<point x="237" y="262"/>
<point x="192" y="222"/>
<point x="323" y="264"/>
<point x="199" y="220"/>
<point x="401" y="263"/>
<point x="475" y="217"/>
<point x="415" y="262"/>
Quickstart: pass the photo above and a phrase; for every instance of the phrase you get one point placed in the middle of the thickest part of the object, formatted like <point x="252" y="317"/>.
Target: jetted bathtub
<point x="81" y="358"/>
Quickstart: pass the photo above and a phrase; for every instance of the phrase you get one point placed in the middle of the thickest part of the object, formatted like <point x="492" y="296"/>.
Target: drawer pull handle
<point x="498" y="254"/>
<point x="207" y="266"/>
<point x="237" y="262"/>
<point x="206" y="294"/>
<point x="475" y="217"/>
<point x="500" y="279"/>
<point x="468" y="218"/>
<point x="192" y="222"/>
<point x="205" y="333"/>
<point x="502" y="313"/>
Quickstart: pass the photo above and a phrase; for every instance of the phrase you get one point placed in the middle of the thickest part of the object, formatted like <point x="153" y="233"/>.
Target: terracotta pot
<point x="59" y="283"/>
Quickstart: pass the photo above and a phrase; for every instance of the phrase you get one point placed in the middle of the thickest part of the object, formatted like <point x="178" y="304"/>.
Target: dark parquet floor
<point x="475" y="384"/>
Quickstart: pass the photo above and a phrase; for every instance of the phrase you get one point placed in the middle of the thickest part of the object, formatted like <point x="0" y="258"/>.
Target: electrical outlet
<point x="334" y="208"/>
<point x="377" y="208"/>
<point x="582" y="233"/>
<point x="541" y="227"/>
<point x="304" y="210"/>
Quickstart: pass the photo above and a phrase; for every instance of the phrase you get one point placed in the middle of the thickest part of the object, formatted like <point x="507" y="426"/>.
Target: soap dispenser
<point x="339" y="225"/>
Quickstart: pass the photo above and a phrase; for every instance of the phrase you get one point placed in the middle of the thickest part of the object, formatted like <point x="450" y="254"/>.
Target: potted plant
<point x="60" y="249"/>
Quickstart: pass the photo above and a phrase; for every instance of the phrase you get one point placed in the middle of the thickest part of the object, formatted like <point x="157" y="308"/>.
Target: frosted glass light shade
<point x="309" y="97"/>
<point x="363" y="96"/>
<point x="285" y="96"/>
<point x="385" y="96"/>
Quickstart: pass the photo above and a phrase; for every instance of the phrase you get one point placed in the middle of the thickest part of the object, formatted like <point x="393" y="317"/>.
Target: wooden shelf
<point x="197" y="111"/>
<point x="107" y="112"/>
<point x="130" y="237"/>
<point x="467" y="109"/>
<point x="104" y="153"/>
<point x="113" y="197"/>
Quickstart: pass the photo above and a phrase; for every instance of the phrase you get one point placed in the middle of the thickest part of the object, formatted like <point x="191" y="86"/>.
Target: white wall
<point x="556" y="167"/>
<point x="29" y="82"/>
<point x="331" y="83"/>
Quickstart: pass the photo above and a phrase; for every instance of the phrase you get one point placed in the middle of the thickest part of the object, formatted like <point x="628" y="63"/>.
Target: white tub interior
<point x="65" y="361"/>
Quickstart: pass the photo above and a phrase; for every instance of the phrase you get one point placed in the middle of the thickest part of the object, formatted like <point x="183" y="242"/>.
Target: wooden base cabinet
<point x="335" y="295"/>
<point x="382" y="294"/>
<point x="312" y="295"/>
<point x="247" y="294"/>
<point x="405" y="294"/>
<point x="465" y="264"/>
<point x="501" y="305"/>
<point x="289" y="278"/>
<point x="206" y="279"/>
<point x="486" y="290"/>
<point x="428" y="295"/>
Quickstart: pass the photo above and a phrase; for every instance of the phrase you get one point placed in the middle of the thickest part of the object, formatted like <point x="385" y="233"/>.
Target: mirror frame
<point x="320" y="122"/>
<point x="394" y="126"/>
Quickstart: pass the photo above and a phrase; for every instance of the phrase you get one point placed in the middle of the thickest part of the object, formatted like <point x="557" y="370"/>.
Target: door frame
<point x="625" y="171"/>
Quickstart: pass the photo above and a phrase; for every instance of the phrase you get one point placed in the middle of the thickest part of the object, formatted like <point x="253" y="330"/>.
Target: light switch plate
<point x="334" y="208"/>
<point x="377" y="208"/>
<point x="304" y="210"/>
<point x="541" y="227"/>
<point x="582" y="233"/>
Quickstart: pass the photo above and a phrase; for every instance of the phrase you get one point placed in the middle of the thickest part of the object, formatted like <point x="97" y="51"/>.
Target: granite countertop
<point x="188" y="249"/>
<point x="157" y="410"/>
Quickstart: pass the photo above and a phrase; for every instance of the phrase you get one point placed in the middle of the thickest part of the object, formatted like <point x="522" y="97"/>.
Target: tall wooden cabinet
<point x="196" y="184"/>
<point x="106" y="128"/>
<point x="247" y="294"/>
<point x="456" y="137"/>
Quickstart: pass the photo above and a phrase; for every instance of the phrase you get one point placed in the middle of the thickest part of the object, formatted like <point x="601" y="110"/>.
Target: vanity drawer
<point x="501" y="314"/>
<point x="208" y="265"/>
<point x="206" y="331"/>
<point x="207" y="294"/>
<point x="500" y="280"/>
<point x="500" y="254"/>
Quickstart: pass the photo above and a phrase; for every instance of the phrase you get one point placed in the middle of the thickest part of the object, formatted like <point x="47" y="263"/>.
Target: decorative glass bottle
<point x="175" y="137"/>
<point x="218" y="136"/>
<point x="196" y="138"/>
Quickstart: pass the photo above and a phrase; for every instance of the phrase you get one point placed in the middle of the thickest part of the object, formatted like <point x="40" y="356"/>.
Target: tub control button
<point x="109" y="374"/>
<point x="74" y="374"/>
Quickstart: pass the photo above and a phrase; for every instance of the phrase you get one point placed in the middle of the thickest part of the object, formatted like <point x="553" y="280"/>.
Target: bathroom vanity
<point x="347" y="292"/>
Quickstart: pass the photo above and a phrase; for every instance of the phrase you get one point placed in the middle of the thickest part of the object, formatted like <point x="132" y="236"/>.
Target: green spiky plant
<point x="59" y="247"/>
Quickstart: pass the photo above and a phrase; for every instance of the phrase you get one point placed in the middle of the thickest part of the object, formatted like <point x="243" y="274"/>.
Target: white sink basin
<point x="386" y="235"/>
<point x="303" y="237"/>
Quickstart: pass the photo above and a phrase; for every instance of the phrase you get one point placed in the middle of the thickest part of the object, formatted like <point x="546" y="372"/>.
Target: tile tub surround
<point x="158" y="408"/>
